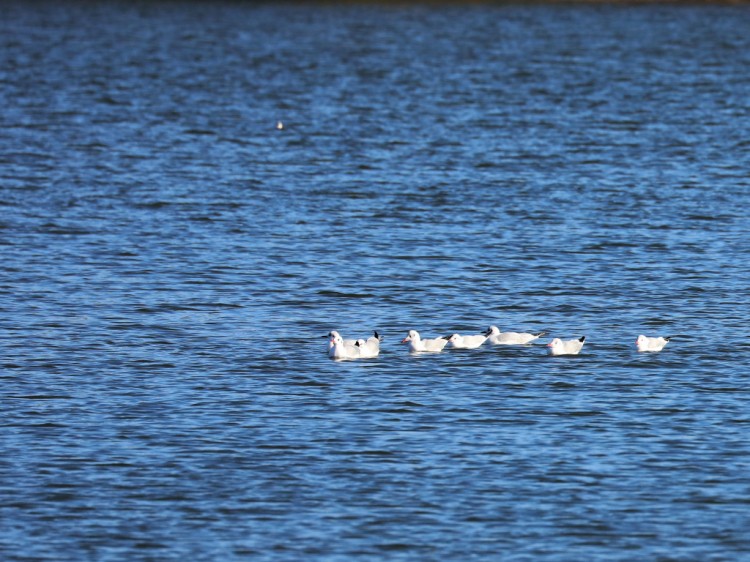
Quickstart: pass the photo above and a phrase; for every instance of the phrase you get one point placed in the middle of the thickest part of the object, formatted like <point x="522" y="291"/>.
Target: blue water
<point x="170" y="261"/>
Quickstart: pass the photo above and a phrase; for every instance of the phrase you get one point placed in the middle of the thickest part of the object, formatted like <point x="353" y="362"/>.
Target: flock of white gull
<point x="341" y="349"/>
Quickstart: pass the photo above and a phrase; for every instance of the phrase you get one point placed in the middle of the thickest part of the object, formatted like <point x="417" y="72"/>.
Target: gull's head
<point x="413" y="335"/>
<point x="336" y="339"/>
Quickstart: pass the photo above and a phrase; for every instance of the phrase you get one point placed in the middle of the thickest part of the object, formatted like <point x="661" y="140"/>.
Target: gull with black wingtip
<point x="644" y="343"/>
<point x="568" y="347"/>
<point x="466" y="342"/>
<point x="496" y="337"/>
<point x="369" y="348"/>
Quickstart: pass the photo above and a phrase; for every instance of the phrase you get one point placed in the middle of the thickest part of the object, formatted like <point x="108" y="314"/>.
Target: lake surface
<point x="171" y="259"/>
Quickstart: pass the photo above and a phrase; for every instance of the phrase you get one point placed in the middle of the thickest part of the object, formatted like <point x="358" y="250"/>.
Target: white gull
<point x="496" y="337"/>
<point x="466" y="342"/>
<point x="417" y="344"/>
<point x="568" y="347"/>
<point x="370" y="347"/>
<point x="340" y="351"/>
<point x="644" y="343"/>
<point x="333" y="334"/>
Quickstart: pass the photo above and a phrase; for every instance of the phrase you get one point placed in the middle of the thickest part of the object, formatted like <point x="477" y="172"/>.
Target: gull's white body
<point x="418" y="345"/>
<point x="568" y="347"/>
<point x="334" y="334"/>
<point x="644" y="343"/>
<point x="370" y="347"/>
<point x="496" y="337"/>
<point x="339" y="348"/>
<point x="466" y="342"/>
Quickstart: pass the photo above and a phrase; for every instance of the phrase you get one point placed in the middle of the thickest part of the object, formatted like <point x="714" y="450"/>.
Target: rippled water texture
<point x="170" y="260"/>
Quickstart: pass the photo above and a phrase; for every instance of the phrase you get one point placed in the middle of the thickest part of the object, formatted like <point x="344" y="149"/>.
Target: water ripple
<point x="171" y="260"/>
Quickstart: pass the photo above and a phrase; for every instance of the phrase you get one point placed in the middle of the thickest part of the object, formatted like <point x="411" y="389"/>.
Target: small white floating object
<point x="496" y="337"/>
<point x="418" y="345"/>
<point x="466" y="342"/>
<point x="644" y="343"/>
<point x="370" y="347"/>
<point x="279" y="125"/>
<point x="568" y="347"/>
<point x="332" y="334"/>
<point x="339" y="348"/>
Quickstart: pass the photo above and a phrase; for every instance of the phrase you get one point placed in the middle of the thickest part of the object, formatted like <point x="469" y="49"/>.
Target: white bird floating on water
<point x="496" y="337"/>
<point x="466" y="342"/>
<point x="418" y="345"/>
<point x="644" y="343"/>
<point x="568" y="347"/>
<point x="332" y="334"/>
<point x="370" y="347"/>
<point x="339" y="348"/>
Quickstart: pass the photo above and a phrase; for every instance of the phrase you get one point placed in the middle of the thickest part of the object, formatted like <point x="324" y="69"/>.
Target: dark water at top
<point x="170" y="260"/>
